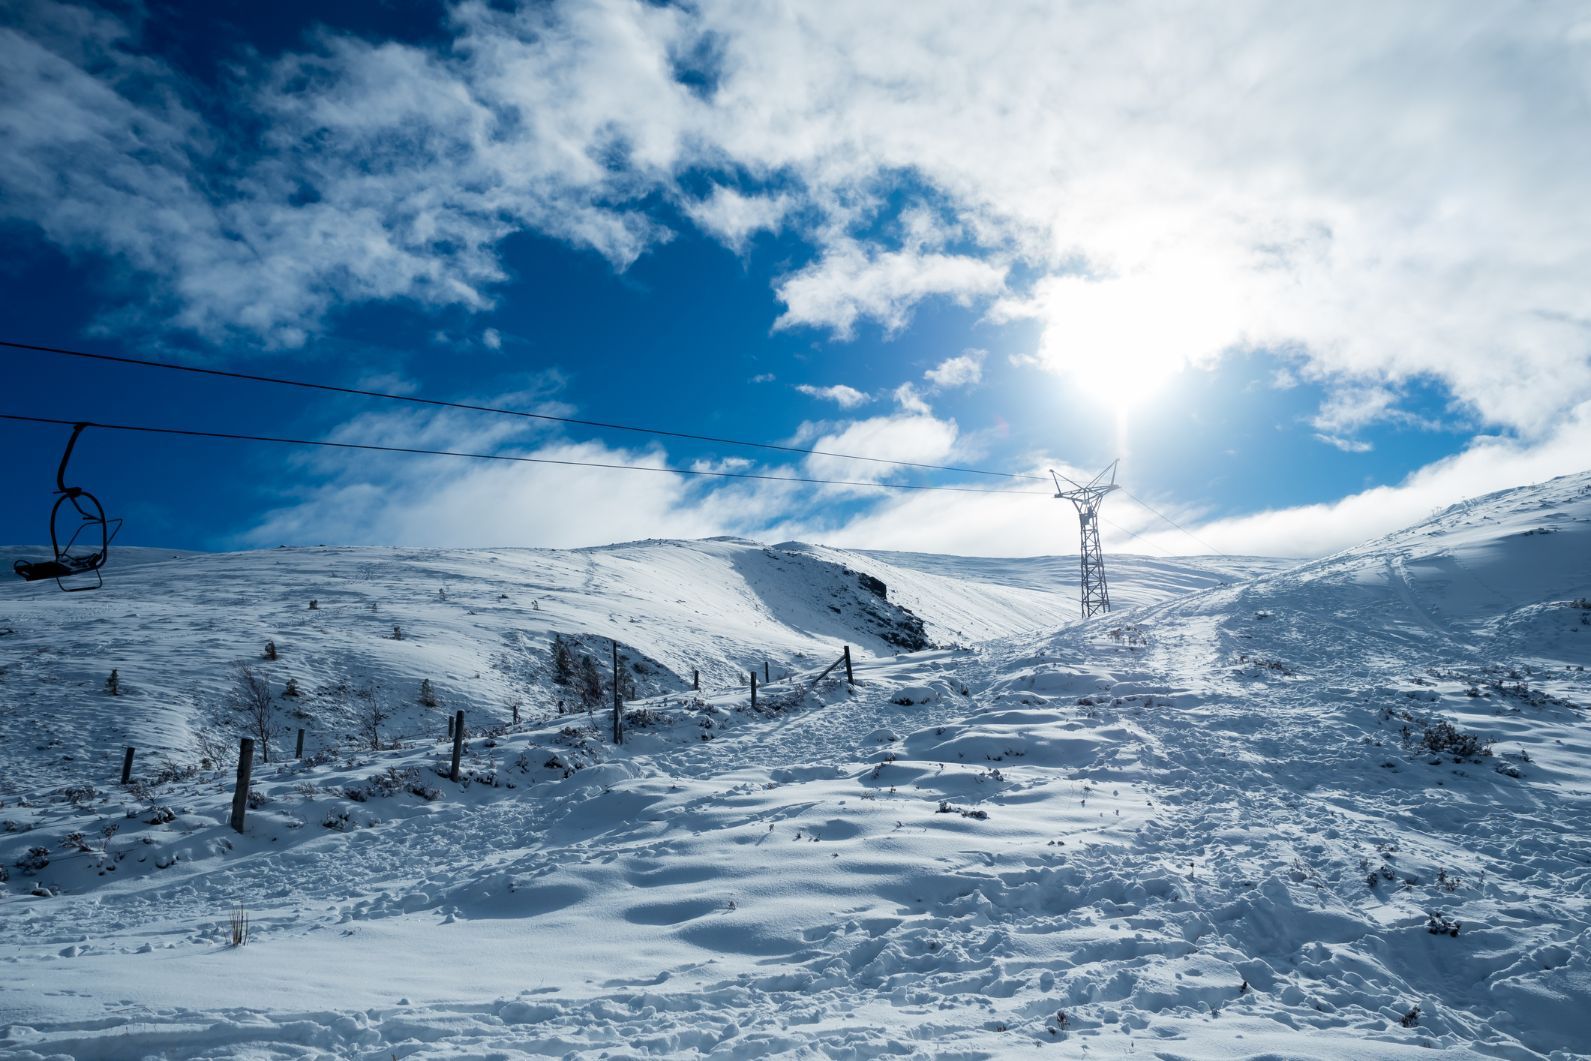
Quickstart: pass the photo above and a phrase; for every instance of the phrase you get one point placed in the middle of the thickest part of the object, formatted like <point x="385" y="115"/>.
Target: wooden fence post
<point x="240" y="795"/>
<point x="765" y="678"/>
<point x="850" y="678"/>
<point x="298" y="752"/>
<point x="618" y="716"/>
<point x="458" y="743"/>
<point x="754" y="690"/>
<point x="696" y="680"/>
<point x="450" y="727"/>
<point x="127" y="766"/>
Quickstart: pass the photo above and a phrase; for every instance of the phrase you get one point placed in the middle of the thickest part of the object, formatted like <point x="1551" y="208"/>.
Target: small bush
<point x="1443" y="738"/>
<point x="35" y="860"/>
<point x="428" y="694"/>
<point x="1411" y="1018"/>
<point x="239" y="924"/>
<point x="338" y="820"/>
<point x="160" y="816"/>
<point x="270" y="651"/>
<point x="113" y="684"/>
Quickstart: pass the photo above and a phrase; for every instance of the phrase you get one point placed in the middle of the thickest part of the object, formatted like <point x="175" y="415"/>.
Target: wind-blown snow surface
<point x="1200" y="827"/>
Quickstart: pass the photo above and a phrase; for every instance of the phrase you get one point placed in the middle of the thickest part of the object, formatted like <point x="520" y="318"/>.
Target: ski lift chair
<point x="88" y="543"/>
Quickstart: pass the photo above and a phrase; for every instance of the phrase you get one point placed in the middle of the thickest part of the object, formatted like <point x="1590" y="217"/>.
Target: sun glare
<point x="1123" y="339"/>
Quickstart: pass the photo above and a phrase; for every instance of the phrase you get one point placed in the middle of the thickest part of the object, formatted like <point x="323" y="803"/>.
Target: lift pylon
<point x="1087" y="497"/>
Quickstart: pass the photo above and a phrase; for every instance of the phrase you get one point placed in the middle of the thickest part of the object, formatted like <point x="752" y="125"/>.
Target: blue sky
<point x="1309" y="277"/>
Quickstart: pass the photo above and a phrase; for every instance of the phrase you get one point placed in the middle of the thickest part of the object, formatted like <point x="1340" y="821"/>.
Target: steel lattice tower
<point x="1087" y="497"/>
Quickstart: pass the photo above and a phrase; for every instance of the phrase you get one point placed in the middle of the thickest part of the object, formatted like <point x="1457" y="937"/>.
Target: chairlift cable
<point x="1175" y="524"/>
<point x="476" y="408"/>
<point x="412" y="450"/>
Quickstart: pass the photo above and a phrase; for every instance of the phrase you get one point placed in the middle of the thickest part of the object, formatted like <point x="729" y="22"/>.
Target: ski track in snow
<point x="1124" y="821"/>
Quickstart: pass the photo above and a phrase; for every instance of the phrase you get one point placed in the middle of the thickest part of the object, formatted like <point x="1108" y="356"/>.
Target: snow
<point x="1200" y="826"/>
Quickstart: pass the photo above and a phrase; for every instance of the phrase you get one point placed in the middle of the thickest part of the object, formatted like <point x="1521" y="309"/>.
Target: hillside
<point x="1332" y="810"/>
<point x="479" y="624"/>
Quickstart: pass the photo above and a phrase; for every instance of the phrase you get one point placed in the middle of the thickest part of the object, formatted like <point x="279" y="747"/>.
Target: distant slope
<point x="974" y="598"/>
<point x="477" y="623"/>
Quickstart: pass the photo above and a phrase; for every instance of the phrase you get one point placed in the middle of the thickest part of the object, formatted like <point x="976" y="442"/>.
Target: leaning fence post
<point x="850" y="679"/>
<point x="618" y="718"/>
<point x="240" y="795"/>
<point x="298" y="752"/>
<point x="458" y="743"/>
<point x="127" y="766"/>
<point x="754" y="690"/>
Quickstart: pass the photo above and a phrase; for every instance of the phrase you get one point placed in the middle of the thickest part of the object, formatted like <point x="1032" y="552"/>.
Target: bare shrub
<point x="251" y="697"/>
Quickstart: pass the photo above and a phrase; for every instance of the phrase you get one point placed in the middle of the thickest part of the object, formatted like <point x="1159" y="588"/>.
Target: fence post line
<point x="850" y="678"/>
<point x="753" y="690"/>
<point x="240" y="795"/>
<point x="298" y="751"/>
<point x="127" y="766"/>
<point x="458" y="744"/>
<point x="618" y="715"/>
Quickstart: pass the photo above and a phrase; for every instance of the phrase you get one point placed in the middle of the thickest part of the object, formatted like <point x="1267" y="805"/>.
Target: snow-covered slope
<point x="1230" y="823"/>
<point x="478" y="624"/>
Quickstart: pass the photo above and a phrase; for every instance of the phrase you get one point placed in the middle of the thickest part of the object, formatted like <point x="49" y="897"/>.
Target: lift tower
<point x="1087" y="497"/>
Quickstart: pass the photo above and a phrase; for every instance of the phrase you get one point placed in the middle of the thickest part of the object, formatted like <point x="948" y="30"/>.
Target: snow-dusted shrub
<point x="113" y="684"/>
<point x="338" y="820"/>
<point x="35" y="860"/>
<point x="257" y="799"/>
<point x="641" y="717"/>
<point x="357" y="793"/>
<point x="1443" y="738"/>
<point x="160" y="816"/>
<point x="77" y="795"/>
<point x="270" y="651"/>
<point x="1439" y="924"/>
<point x="428" y="693"/>
<point x="1411" y="1018"/>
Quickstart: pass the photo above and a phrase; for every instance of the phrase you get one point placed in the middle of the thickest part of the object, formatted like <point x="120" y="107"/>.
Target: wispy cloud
<point x="840" y="394"/>
<point x="960" y="371"/>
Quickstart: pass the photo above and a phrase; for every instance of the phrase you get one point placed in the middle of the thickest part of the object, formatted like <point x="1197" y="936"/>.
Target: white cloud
<point x="910" y="435"/>
<point x="907" y="397"/>
<point x="492" y="339"/>
<point x="843" y="396"/>
<point x="1386" y="194"/>
<point x="734" y="217"/>
<point x="960" y="371"/>
<point x="1489" y="463"/>
<point x="1347" y="445"/>
<point x="848" y="284"/>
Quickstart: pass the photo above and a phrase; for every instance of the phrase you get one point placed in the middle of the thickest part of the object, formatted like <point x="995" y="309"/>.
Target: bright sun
<point x="1123" y="338"/>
